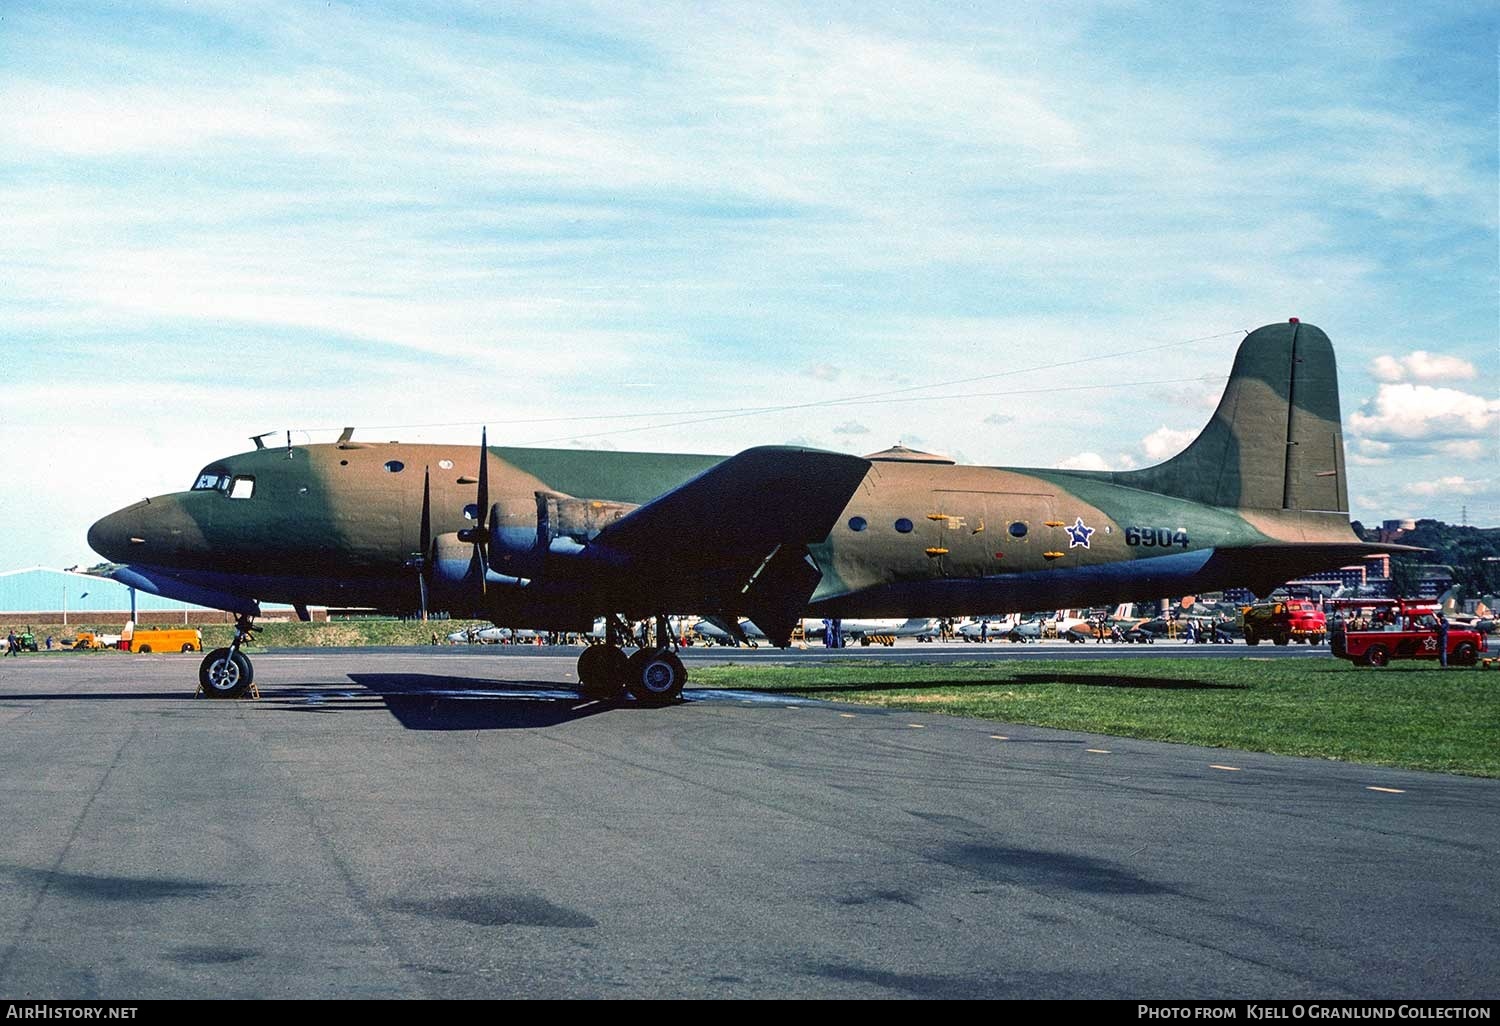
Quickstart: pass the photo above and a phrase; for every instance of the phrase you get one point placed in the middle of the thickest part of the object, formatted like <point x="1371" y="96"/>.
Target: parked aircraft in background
<point x="856" y="631"/>
<point x="491" y="636"/>
<point x="724" y="632"/>
<point x="551" y="539"/>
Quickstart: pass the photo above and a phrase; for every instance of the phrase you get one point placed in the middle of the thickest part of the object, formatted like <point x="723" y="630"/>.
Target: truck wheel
<point x="188" y="647"/>
<point x="1280" y="639"/>
<point x="144" y="648"/>
<point x="1464" y="655"/>
<point x="1377" y="655"/>
<point x="1251" y="638"/>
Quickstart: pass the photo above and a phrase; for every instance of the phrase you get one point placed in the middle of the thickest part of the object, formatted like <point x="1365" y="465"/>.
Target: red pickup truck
<point x="1372" y="632"/>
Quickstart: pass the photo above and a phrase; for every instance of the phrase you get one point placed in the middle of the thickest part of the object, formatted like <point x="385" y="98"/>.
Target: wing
<point x="734" y="539"/>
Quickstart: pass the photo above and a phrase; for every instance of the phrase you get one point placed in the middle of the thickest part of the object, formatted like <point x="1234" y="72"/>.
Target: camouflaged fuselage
<point x="1259" y="497"/>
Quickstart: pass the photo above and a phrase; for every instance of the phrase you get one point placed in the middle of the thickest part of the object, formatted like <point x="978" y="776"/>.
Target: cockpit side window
<point x="211" y="482"/>
<point x="242" y="488"/>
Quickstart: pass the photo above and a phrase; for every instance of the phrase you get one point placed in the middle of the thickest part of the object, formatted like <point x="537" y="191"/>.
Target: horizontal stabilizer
<point x="1267" y="566"/>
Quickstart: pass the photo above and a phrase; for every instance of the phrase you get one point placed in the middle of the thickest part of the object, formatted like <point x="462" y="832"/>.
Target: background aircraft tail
<point x="1276" y="441"/>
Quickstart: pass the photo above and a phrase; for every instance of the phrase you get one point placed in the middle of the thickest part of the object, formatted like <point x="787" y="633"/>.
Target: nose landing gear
<point x="227" y="672"/>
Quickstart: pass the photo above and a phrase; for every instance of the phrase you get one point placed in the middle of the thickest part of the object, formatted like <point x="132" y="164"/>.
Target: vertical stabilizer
<point x="1275" y="441"/>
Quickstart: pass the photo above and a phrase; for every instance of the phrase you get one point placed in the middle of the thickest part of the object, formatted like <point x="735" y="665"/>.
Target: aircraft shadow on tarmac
<point x="422" y="701"/>
<point x="1017" y="680"/>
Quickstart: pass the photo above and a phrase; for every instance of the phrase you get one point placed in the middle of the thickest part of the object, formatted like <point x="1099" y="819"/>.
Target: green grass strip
<point x="1411" y="715"/>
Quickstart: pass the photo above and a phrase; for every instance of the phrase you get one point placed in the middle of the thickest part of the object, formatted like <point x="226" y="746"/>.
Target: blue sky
<point x="225" y="219"/>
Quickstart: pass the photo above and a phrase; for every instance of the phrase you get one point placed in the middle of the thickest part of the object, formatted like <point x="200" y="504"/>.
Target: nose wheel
<point x="227" y="672"/>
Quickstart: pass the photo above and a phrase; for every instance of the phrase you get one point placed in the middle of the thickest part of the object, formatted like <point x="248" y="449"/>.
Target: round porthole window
<point x="903" y="525"/>
<point x="445" y="464"/>
<point x="1018" y="530"/>
<point x="394" y="466"/>
<point x="858" y="523"/>
<point x="471" y="511"/>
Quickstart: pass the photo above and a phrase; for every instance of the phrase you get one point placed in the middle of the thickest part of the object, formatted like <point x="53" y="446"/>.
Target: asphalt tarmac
<point x="452" y="824"/>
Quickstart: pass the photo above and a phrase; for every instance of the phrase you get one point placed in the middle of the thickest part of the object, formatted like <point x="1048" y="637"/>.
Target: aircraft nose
<point x="114" y="536"/>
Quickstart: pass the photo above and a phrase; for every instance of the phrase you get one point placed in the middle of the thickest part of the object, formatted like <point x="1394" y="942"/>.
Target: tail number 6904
<point x="1155" y="537"/>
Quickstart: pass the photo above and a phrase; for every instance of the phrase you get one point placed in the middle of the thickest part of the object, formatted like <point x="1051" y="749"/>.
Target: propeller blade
<point x="481" y="523"/>
<point x="425" y="567"/>
<point x="426" y="514"/>
<point x="484" y="481"/>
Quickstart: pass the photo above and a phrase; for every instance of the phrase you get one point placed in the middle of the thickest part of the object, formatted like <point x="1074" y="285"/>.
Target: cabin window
<point x="903" y="525"/>
<point x="1018" y="530"/>
<point x="243" y="488"/>
<point x="857" y="523"/>
<point x="394" y="466"/>
<point x="445" y="464"/>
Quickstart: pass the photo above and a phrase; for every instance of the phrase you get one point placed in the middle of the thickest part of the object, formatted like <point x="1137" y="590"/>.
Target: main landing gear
<point x="226" y="672"/>
<point x="653" y="675"/>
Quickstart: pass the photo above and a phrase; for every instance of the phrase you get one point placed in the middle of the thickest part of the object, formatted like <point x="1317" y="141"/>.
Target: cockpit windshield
<point x="211" y="481"/>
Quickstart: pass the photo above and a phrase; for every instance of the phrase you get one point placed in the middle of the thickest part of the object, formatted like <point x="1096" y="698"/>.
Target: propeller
<point x="424" y="567"/>
<point x="479" y="534"/>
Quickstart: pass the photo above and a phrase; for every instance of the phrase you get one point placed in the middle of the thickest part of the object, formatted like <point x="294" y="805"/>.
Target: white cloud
<point x="1472" y="449"/>
<point x="825" y="372"/>
<point x="1455" y="484"/>
<point x="88" y="123"/>
<point x="851" y="427"/>
<point x="1094" y="461"/>
<point x="1422" y="413"/>
<point x="1164" y="443"/>
<point x="999" y="419"/>
<point x="1084" y="461"/>
<point x="1422" y="366"/>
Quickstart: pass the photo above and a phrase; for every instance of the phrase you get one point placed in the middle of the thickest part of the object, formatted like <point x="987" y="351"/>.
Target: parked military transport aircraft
<point x="551" y="539"/>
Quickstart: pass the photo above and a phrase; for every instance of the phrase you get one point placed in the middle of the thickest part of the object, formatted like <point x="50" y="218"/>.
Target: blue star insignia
<point x="1078" y="534"/>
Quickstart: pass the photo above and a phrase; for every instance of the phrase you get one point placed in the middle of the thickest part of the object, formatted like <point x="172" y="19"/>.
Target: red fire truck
<point x="1284" y="622"/>
<point x="1372" y="632"/>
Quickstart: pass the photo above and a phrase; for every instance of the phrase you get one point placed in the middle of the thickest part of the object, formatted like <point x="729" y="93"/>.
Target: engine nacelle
<point x="562" y="517"/>
<point x="563" y="526"/>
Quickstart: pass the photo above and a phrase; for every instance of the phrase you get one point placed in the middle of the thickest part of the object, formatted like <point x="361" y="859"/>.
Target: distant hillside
<point x="1465" y="549"/>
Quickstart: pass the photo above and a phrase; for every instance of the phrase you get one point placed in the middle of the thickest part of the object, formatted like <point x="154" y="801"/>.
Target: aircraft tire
<point x="601" y="671"/>
<point x="231" y="681"/>
<point x="655" y="676"/>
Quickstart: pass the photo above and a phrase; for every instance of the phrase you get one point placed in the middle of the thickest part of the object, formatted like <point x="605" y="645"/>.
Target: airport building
<point x="42" y="595"/>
